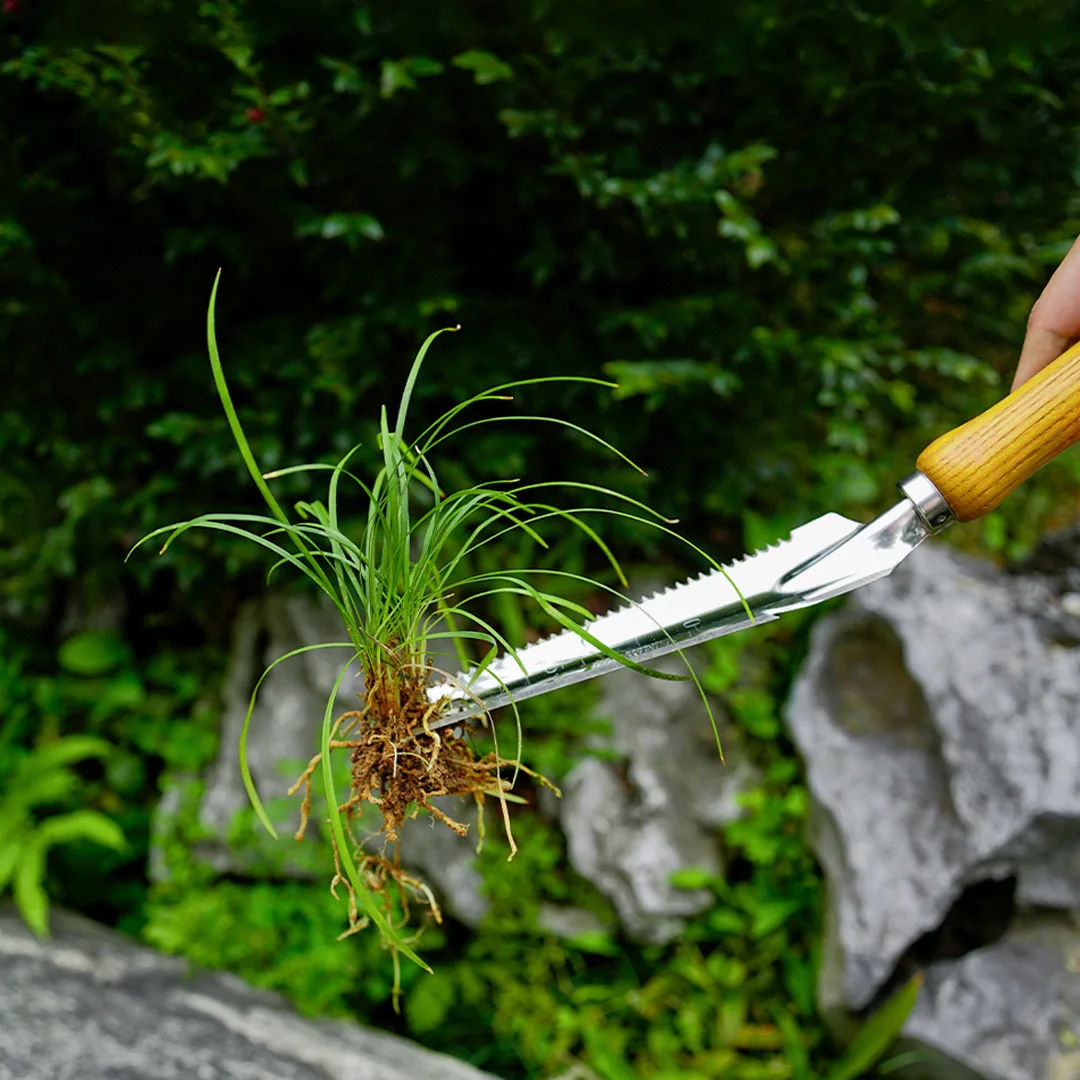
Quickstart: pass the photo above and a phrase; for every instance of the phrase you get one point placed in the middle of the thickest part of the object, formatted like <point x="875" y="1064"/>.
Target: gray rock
<point x="1009" y="1011"/>
<point x="937" y="715"/>
<point x="630" y="856"/>
<point x="662" y="730"/>
<point x="628" y="829"/>
<point x="284" y="727"/>
<point x="93" y="1005"/>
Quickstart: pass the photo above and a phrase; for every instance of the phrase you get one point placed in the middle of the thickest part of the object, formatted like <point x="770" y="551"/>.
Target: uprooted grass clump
<point x="399" y="764"/>
<point x="407" y="585"/>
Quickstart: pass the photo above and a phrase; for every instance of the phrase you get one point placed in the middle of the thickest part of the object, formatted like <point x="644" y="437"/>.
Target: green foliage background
<point x="803" y="238"/>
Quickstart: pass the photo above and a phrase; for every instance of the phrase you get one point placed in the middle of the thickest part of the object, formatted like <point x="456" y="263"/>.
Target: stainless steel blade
<point x="823" y="559"/>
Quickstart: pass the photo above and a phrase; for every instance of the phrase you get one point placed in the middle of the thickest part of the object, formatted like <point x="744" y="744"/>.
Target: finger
<point x="1054" y="322"/>
<point x="1041" y="347"/>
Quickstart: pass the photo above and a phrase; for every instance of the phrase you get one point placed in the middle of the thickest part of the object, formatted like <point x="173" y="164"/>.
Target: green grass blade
<point x="410" y="382"/>
<point x="691" y="674"/>
<point x="658" y="527"/>
<point x="568" y="624"/>
<point x="584" y="432"/>
<point x="551" y="598"/>
<point x="497" y="393"/>
<point x="245" y="768"/>
<point x="456" y="635"/>
<point x="494" y="634"/>
<point x="321" y="466"/>
<point x="596" y="489"/>
<point x="304" y="566"/>
<point x="230" y="410"/>
<point x="541" y="511"/>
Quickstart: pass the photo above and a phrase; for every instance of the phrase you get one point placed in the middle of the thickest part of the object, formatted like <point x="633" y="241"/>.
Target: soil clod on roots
<point x="399" y="764"/>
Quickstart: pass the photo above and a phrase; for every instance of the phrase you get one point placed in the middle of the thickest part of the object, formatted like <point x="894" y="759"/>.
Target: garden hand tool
<point x="959" y="477"/>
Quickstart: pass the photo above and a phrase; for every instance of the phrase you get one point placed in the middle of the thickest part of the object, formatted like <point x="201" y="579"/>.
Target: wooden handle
<point x="977" y="464"/>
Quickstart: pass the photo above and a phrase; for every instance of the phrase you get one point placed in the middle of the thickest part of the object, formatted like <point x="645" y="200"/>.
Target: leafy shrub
<point x="41" y="781"/>
<point x="81" y="751"/>
<point x="39" y="787"/>
<point x="793" y="273"/>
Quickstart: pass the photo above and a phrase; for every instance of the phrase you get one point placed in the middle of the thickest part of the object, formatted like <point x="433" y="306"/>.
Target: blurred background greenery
<point x="802" y="237"/>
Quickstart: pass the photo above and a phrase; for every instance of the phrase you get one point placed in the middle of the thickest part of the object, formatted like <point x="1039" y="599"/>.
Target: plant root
<point x="400" y="765"/>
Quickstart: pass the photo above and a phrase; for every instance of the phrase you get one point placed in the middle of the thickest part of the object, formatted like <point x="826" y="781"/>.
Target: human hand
<point x="1054" y="322"/>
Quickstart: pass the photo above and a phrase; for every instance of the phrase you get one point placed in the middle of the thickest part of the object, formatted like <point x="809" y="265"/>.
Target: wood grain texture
<point x="976" y="465"/>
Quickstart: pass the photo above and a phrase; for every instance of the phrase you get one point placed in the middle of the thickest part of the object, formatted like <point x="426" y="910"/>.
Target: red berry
<point x="11" y="6"/>
<point x="254" y="115"/>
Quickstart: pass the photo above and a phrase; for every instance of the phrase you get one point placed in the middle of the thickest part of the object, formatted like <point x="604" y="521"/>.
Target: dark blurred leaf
<point x="485" y="67"/>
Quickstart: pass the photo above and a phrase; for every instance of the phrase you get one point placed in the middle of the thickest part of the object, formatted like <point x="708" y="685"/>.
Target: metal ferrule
<point x="929" y="503"/>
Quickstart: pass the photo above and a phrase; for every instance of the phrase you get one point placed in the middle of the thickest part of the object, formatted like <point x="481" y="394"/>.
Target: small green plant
<point x="405" y="585"/>
<point x="33" y="783"/>
<point x="87" y="725"/>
